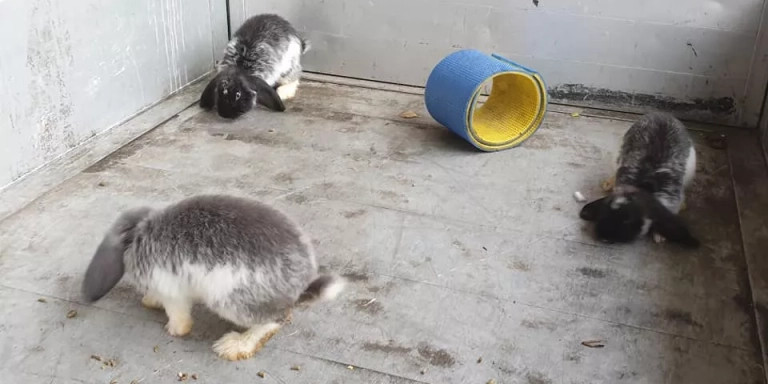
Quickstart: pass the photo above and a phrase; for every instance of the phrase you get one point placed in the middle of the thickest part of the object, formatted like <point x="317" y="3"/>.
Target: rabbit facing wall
<point x="261" y="64"/>
<point x="245" y="261"/>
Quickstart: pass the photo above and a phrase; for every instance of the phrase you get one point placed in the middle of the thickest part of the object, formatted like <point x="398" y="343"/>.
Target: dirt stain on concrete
<point x="388" y="348"/>
<point x="592" y="272"/>
<point x="436" y="357"/>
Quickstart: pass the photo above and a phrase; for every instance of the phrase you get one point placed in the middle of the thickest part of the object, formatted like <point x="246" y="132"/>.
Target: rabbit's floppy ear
<point x="266" y="95"/>
<point x="671" y="226"/>
<point x="107" y="267"/>
<point x="591" y="211"/>
<point x="208" y="99"/>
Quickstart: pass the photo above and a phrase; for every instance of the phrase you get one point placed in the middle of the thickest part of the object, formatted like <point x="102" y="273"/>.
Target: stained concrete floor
<point x="464" y="266"/>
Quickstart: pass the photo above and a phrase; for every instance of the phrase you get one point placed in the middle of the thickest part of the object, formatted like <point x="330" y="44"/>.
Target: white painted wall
<point x="70" y="69"/>
<point x="620" y="54"/>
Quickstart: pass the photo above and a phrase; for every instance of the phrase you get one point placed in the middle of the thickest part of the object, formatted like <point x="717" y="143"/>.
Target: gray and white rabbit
<point x="657" y="162"/>
<point x="261" y="65"/>
<point x="245" y="261"/>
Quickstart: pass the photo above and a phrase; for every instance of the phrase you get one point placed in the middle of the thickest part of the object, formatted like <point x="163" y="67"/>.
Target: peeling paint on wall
<point x="49" y="58"/>
<point x="70" y="69"/>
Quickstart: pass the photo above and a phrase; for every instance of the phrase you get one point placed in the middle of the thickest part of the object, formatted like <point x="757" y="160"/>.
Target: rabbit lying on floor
<point x="245" y="261"/>
<point x="262" y="64"/>
<point x="656" y="163"/>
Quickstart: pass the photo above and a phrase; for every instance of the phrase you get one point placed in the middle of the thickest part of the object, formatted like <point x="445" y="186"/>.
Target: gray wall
<point x="70" y="69"/>
<point x="623" y="54"/>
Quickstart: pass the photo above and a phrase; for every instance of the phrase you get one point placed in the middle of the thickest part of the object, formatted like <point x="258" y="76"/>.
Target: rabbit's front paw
<point x="179" y="327"/>
<point x="288" y="91"/>
<point x="179" y="318"/>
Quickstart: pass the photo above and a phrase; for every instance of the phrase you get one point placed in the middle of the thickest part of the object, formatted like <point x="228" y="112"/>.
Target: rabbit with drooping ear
<point x="245" y="261"/>
<point x="261" y="65"/>
<point x="656" y="163"/>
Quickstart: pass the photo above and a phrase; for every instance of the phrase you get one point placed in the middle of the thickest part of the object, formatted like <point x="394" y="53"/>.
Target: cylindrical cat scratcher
<point x="511" y="114"/>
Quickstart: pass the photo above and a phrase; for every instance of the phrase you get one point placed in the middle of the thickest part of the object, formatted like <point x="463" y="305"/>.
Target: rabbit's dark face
<point x="619" y="218"/>
<point x="233" y="92"/>
<point x="234" y="97"/>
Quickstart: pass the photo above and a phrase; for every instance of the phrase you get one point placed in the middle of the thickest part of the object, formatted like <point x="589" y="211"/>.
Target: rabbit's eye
<point x="237" y="96"/>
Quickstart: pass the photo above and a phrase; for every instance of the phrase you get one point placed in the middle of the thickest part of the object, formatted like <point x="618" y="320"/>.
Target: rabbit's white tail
<point x="324" y="288"/>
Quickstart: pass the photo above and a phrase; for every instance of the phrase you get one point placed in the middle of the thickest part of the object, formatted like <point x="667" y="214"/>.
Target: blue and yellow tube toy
<point x="511" y="114"/>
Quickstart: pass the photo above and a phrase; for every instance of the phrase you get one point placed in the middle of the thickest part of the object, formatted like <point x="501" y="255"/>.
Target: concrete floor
<point x="465" y="266"/>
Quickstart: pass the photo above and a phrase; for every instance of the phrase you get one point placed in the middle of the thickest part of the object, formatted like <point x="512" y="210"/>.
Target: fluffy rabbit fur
<point x="245" y="261"/>
<point x="657" y="162"/>
<point x="261" y="65"/>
